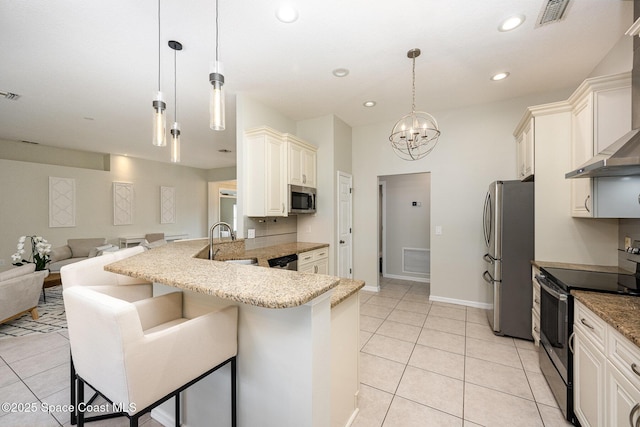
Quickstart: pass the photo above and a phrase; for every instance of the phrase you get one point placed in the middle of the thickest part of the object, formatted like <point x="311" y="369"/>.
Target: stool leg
<point x="80" y="401"/>
<point x="177" y="409"/>
<point x="234" y="419"/>
<point x="72" y="387"/>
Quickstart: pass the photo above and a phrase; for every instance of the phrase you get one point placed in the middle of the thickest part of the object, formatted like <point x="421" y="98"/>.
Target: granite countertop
<point x="620" y="311"/>
<point x="587" y="267"/>
<point x="175" y="264"/>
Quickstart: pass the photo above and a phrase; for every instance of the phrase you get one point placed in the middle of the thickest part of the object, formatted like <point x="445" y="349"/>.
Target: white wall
<point x="25" y="196"/>
<point x="406" y="226"/>
<point x="476" y="148"/>
<point x="333" y="138"/>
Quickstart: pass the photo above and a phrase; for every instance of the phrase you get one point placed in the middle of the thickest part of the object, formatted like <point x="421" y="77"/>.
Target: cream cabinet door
<point x="276" y="200"/>
<point x="589" y="380"/>
<point x="623" y="400"/>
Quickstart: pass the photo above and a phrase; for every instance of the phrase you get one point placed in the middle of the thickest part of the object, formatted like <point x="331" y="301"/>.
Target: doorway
<point x="222" y="206"/>
<point x="404" y="240"/>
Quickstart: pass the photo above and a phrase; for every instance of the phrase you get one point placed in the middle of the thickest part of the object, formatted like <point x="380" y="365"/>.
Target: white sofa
<point x="20" y="289"/>
<point x="77" y="250"/>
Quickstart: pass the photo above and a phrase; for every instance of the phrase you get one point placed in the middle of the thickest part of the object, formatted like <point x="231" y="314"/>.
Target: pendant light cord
<point x="158" y="45"/>
<point x="175" y="85"/>
<point x="217" y="25"/>
<point x="413" y="103"/>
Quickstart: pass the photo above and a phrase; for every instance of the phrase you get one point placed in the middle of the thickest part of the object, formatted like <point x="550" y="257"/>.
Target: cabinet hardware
<point x="315" y="268"/>
<point x="584" y="322"/>
<point x="342" y="242"/>
<point x="536" y="330"/>
<point x="537" y="301"/>
<point x="283" y="208"/>
<point x="634" y="368"/>
<point x="632" y="413"/>
<point x="586" y="199"/>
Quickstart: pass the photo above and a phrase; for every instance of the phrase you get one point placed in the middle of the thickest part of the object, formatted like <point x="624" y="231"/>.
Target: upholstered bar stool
<point x="138" y="355"/>
<point x="91" y="272"/>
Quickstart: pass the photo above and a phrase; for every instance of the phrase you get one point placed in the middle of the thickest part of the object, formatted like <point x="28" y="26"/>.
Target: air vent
<point x="9" y="95"/>
<point x="552" y="11"/>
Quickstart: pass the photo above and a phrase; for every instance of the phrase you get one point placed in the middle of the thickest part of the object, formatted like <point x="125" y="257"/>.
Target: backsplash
<point x="271" y="231"/>
<point x="628" y="228"/>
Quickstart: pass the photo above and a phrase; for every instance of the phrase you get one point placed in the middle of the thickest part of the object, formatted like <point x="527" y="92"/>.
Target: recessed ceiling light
<point x="500" y="76"/>
<point x="511" y="23"/>
<point x="369" y="103"/>
<point x="287" y="14"/>
<point x="340" y="72"/>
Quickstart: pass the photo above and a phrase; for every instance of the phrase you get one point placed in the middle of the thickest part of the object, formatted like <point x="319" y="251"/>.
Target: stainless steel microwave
<point x="302" y="200"/>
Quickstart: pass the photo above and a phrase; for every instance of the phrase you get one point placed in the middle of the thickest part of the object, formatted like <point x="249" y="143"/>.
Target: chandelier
<point x="415" y="134"/>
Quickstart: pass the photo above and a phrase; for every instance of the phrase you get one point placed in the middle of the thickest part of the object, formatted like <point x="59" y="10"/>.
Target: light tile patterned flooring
<point x="421" y="364"/>
<point x="428" y="364"/>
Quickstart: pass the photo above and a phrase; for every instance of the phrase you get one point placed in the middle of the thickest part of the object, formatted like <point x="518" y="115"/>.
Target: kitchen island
<point x="297" y="344"/>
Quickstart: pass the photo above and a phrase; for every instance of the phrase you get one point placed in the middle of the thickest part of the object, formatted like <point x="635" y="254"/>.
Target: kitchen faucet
<point x="233" y="237"/>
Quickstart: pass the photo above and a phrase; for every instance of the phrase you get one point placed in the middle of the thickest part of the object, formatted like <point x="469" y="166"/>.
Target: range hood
<point x="622" y="158"/>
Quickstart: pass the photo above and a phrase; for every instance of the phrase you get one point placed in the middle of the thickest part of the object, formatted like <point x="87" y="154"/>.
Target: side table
<point x="53" y="279"/>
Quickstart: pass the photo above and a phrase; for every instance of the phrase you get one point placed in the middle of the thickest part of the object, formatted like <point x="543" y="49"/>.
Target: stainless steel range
<point x="556" y="323"/>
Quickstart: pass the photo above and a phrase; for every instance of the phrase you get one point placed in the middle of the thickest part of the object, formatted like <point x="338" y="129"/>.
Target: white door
<point x="345" y="181"/>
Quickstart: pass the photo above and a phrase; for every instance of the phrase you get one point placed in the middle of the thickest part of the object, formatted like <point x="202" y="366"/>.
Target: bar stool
<point x="138" y="355"/>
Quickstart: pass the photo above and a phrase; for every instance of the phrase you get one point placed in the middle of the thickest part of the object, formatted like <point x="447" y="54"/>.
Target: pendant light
<point x="415" y="134"/>
<point x="159" y="106"/>
<point x="216" y="96"/>
<point x="175" y="128"/>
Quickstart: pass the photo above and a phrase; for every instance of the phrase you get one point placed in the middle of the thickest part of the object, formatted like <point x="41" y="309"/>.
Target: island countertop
<point x="174" y="264"/>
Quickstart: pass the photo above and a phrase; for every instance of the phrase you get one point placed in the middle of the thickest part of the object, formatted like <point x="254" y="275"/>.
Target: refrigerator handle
<point x="488" y="278"/>
<point x="487" y="201"/>
<point x="488" y="258"/>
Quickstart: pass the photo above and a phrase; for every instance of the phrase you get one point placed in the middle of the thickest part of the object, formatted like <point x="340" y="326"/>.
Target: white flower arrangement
<point x="40" y="250"/>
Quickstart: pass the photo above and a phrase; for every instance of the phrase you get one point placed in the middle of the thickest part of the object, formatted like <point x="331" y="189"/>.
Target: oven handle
<point x="571" y="340"/>
<point x="547" y="287"/>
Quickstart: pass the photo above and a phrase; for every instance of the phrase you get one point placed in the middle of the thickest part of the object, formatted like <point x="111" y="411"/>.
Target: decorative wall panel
<point x="167" y="205"/>
<point x="122" y="203"/>
<point x="62" y="202"/>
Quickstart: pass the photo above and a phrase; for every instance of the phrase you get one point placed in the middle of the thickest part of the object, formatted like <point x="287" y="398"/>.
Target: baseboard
<point x="163" y="417"/>
<point x="371" y="288"/>
<point x="352" y="418"/>
<point x="410" y="278"/>
<point x="475" y="304"/>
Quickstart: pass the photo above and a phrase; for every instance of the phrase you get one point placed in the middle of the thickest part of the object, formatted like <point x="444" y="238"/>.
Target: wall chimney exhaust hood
<point x="622" y="158"/>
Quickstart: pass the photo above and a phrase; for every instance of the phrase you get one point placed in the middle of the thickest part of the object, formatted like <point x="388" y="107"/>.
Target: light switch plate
<point x="438" y="230"/>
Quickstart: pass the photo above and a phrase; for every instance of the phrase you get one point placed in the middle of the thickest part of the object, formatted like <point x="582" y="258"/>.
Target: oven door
<point x="554" y="324"/>
<point x="555" y="357"/>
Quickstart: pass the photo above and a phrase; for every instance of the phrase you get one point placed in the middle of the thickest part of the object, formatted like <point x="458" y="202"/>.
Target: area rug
<point x="51" y="317"/>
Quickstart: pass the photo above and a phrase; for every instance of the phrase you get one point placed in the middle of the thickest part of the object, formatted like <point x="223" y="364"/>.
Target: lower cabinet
<point x="316" y="261"/>
<point x="535" y="308"/>
<point x="589" y="374"/>
<point x="606" y="373"/>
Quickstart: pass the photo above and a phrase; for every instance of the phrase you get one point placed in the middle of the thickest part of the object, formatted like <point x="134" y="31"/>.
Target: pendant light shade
<point x="159" y="121"/>
<point x="416" y="133"/>
<point x="216" y="95"/>
<point x="159" y="106"/>
<point x="175" y="128"/>
<point x="175" y="143"/>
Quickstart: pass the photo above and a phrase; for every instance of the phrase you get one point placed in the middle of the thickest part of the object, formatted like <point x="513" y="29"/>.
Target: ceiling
<point x="87" y="71"/>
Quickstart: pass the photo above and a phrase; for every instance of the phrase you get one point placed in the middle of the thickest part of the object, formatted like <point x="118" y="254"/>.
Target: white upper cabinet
<point x="265" y="163"/>
<point x="525" y="137"/>
<point x="302" y="162"/>
<point x="601" y="113"/>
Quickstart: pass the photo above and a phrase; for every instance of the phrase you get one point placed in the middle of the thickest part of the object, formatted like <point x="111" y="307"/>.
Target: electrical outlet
<point x="251" y="233"/>
<point x="1" y="262"/>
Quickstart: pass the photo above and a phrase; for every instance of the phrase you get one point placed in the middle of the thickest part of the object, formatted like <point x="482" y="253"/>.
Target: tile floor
<point x="435" y="364"/>
<point x="421" y="364"/>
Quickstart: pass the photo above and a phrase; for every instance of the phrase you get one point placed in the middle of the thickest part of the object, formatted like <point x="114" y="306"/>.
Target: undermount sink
<point x="249" y="261"/>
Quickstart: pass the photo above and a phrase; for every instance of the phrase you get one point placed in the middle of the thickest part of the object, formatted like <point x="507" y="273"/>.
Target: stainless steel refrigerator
<point x="508" y="236"/>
